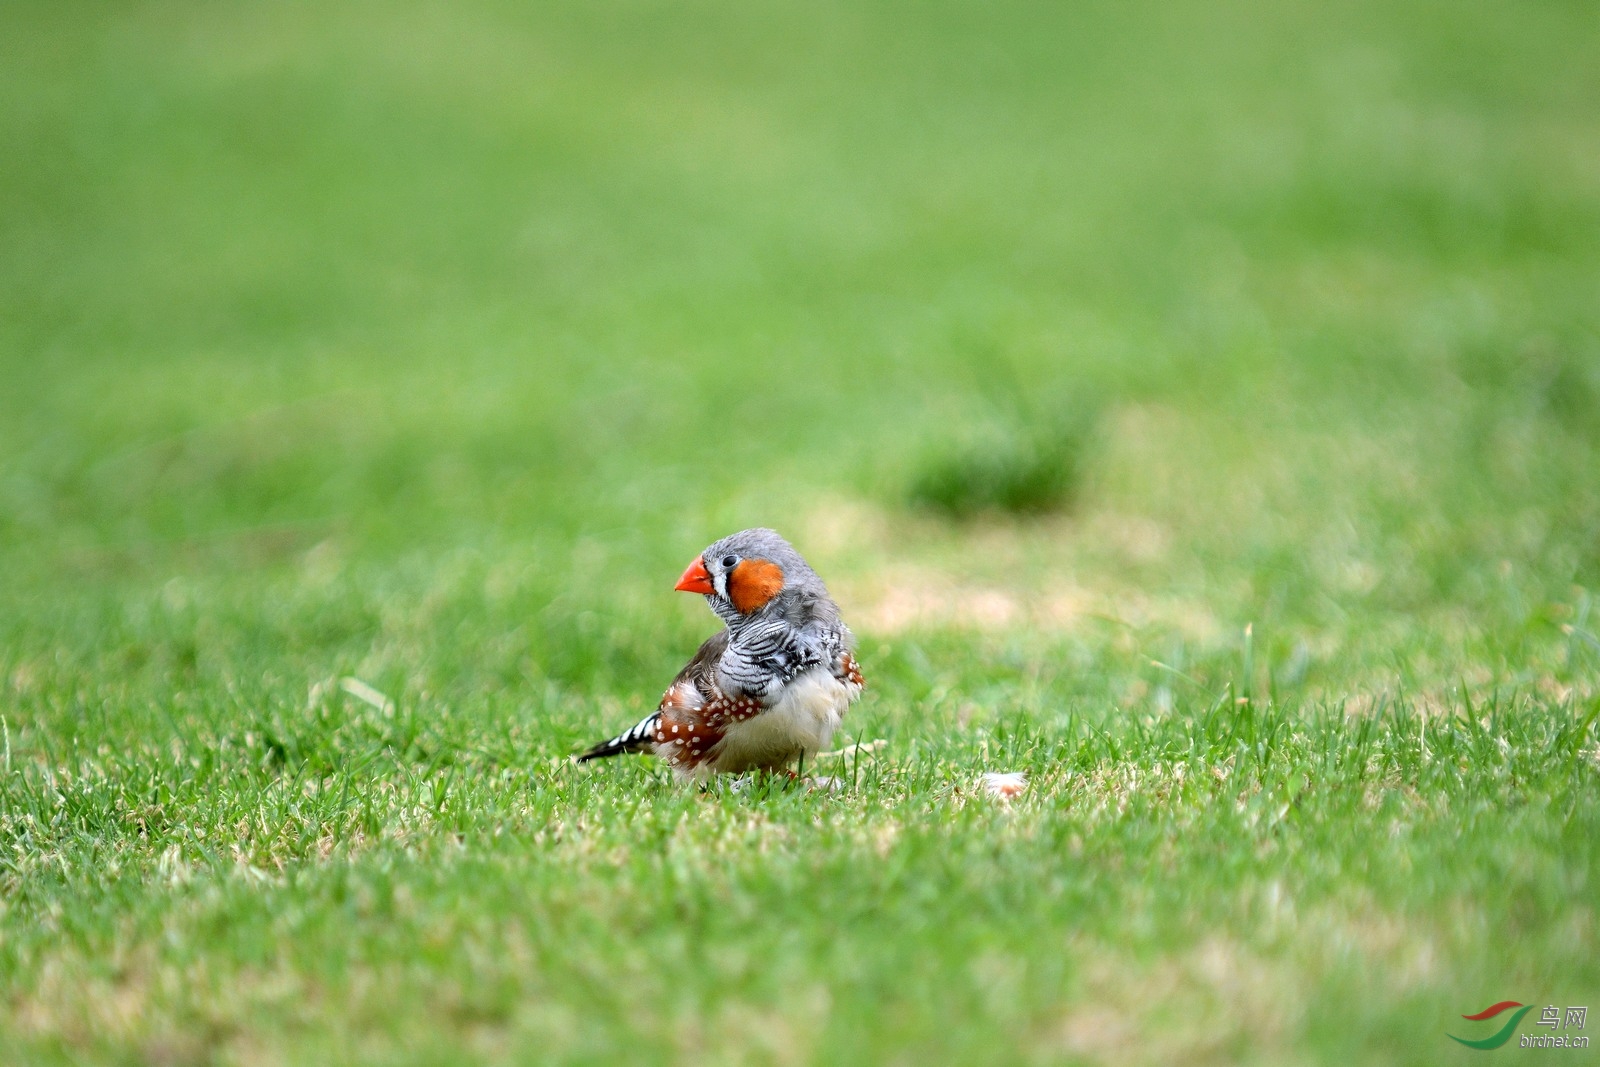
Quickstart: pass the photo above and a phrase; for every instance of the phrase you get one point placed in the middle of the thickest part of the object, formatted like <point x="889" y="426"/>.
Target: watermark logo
<point x="1551" y="1017"/>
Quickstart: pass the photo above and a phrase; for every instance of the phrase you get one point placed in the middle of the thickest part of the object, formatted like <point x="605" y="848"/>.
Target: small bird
<point x="768" y="689"/>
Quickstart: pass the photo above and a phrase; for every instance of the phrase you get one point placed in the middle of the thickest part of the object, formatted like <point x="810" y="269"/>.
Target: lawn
<point x="1195" y="406"/>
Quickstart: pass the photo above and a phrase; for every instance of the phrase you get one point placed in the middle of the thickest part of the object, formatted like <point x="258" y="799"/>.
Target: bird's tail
<point x="638" y="739"/>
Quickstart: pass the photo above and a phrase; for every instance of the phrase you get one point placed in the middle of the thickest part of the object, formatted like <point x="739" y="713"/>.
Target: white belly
<point x="801" y="722"/>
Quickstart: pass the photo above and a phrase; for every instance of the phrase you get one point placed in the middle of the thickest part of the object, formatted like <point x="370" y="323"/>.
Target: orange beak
<point x="696" y="579"/>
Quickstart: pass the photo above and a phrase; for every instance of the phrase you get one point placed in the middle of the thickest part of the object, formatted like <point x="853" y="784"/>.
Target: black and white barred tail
<point x="638" y="739"/>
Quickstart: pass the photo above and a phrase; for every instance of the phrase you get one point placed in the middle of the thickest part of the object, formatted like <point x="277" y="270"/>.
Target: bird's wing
<point x="701" y="671"/>
<point x="685" y="694"/>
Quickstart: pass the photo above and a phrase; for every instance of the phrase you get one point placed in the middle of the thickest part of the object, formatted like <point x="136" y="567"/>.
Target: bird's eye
<point x="729" y="562"/>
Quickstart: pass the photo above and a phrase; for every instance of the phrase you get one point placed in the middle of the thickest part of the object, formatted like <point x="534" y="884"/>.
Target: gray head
<point x="757" y="573"/>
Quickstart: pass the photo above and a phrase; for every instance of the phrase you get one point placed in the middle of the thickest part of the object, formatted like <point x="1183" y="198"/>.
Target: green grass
<point x="423" y="345"/>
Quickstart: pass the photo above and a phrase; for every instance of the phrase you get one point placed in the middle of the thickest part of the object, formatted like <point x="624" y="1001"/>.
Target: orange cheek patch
<point x="753" y="583"/>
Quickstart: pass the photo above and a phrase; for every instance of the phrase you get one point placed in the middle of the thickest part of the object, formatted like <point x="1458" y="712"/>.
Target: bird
<point x="769" y="688"/>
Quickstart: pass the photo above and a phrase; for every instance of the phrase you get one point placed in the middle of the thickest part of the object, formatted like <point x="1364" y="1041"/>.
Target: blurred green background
<point x="1294" y="309"/>
<point x="422" y="275"/>
<point x="427" y="342"/>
